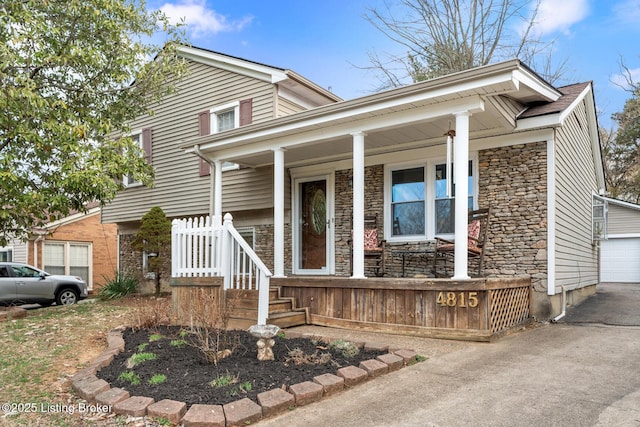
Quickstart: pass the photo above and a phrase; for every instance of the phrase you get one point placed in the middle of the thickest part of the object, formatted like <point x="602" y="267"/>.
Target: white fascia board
<point x="236" y="65"/>
<point x="544" y="121"/>
<point x="544" y="89"/>
<point x="316" y="132"/>
<point x="623" y="236"/>
<point x="620" y="203"/>
<point x="567" y="111"/>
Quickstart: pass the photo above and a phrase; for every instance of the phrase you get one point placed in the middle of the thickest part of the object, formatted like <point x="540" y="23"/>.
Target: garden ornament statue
<point x="265" y="334"/>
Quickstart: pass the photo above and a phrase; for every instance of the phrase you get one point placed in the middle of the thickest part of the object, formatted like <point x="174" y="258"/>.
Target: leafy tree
<point x="446" y="36"/>
<point x="72" y="73"/>
<point x="154" y="238"/>
<point x="621" y="152"/>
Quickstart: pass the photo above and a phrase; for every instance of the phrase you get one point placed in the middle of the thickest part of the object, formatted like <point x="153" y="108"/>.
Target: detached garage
<point x="620" y="252"/>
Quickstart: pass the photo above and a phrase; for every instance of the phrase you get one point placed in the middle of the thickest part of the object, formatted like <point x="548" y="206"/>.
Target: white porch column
<point x="217" y="205"/>
<point x="278" y="212"/>
<point x="461" y="177"/>
<point x="358" y="205"/>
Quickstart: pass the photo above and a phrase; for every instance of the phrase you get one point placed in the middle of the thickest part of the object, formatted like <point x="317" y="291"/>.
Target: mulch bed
<point x="189" y="374"/>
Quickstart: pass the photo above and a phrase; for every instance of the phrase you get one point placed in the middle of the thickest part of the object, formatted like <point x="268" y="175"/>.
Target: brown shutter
<point x="204" y="122"/>
<point x="147" y="144"/>
<point x="246" y="112"/>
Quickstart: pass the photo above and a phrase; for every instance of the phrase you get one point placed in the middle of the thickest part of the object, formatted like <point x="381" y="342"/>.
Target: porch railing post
<point x="226" y="251"/>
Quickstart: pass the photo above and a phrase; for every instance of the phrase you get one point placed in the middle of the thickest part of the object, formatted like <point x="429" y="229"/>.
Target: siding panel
<point x="576" y="256"/>
<point x="178" y="188"/>
<point x="623" y="220"/>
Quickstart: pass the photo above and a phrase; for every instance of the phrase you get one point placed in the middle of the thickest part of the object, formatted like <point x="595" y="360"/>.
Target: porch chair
<point x="477" y="237"/>
<point x="373" y="246"/>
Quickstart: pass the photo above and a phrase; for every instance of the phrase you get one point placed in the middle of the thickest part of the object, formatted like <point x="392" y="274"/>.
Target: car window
<point x="23" y="271"/>
<point x="4" y="272"/>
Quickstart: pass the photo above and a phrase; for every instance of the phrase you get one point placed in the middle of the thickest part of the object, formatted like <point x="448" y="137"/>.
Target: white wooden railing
<point x="201" y="247"/>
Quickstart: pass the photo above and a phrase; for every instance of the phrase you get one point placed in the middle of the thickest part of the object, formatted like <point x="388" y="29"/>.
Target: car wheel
<point x="67" y="297"/>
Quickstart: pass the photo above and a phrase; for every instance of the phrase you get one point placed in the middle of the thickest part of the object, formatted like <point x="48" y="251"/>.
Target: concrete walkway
<point x="583" y="371"/>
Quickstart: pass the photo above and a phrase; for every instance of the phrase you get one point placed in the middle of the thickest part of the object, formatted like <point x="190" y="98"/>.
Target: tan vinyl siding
<point x="575" y="180"/>
<point x="286" y="107"/>
<point x="623" y="220"/>
<point x="179" y="189"/>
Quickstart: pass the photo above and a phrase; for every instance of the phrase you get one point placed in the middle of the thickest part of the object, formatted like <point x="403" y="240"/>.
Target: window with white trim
<point x="128" y="180"/>
<point x="225" y="117"/>
<point x="418" y="205"/>
<point x="68" y="258"/>
<point x="6" y="254"/>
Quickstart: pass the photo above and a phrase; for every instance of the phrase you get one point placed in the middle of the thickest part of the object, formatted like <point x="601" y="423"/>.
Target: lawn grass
<point x="40" y="353"/>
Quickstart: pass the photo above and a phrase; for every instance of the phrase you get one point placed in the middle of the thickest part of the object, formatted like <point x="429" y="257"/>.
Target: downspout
<point x="564" y="306"/>
<point x="196" y="150"/>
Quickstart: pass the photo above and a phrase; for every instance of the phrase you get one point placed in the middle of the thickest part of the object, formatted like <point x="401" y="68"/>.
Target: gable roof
<point x="280" y="76"/>
<point x="569" y="94"/>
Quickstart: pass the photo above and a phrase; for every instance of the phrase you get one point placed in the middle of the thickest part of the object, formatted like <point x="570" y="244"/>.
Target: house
<point x="300" y="183"/>
<point x="620" y="249"/>
<point x="219" y="93"/>
<point x="78" y="245"/>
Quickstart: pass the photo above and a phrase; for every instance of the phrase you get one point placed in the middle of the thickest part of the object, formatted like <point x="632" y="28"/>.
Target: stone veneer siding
<point x="513" y="182"/>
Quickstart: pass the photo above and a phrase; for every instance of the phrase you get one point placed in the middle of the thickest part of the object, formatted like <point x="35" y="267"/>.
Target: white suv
<point x="24" y="284"/>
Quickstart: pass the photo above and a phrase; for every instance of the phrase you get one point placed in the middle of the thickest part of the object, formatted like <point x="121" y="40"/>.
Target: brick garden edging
<point x="241" y="412"/>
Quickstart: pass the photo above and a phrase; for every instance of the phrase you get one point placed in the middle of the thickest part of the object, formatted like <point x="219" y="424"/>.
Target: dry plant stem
<point x="209" y="318"/>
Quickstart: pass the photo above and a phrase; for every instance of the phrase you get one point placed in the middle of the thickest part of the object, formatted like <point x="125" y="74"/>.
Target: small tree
<point x="154" y="239"/>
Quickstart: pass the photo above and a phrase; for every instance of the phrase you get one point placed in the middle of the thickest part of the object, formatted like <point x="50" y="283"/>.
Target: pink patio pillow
<point x="370" y="239"/>
<point x="473" y="230"/>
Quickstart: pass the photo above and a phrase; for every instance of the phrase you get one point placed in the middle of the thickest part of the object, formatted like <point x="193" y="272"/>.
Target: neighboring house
<point x="300" y="179"/>
<point x="620" y="250"/>
<point x="77" y="245"/>
<point x="220" y="92"/>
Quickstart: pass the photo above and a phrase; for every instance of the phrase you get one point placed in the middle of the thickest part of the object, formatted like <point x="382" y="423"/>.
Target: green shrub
<point x="121" y="285"/>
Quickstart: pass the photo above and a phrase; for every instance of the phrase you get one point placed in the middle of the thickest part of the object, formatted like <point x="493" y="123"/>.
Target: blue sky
<point x="327" y="40"/>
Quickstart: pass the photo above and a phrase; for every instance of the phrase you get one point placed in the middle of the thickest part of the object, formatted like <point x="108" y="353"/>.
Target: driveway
<point x="582" y="371"/>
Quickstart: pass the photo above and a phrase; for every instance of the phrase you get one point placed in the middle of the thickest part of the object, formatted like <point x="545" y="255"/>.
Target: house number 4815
<point x="460" y="299"/>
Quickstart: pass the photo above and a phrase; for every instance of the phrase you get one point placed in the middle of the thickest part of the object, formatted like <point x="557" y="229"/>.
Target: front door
<point x="314" y="226"/>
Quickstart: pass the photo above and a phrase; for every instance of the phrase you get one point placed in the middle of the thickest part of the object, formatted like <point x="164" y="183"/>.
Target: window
<point x="221" y="118"/>
<point x="6" y="254"/>
<point x="408" y="201"/>
<point x="417" y="206"/>
<point x="143" y="139"/>
<point x="444" y="205"/>
<point x="130" y="181"/>
<point x="73" y="259"/>
<point x="225" y="117"/>
<point x="599" y="217"/>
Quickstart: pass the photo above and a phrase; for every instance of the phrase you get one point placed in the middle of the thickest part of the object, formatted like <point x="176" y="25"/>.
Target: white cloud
<point x="555" y="15"/>
<point x="621" y="81"/>
<point x="627" y="11"/>
<point x="200" y="20"/>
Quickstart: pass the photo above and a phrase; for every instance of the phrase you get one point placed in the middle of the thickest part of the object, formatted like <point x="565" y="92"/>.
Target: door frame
<point x="297" y="179"/>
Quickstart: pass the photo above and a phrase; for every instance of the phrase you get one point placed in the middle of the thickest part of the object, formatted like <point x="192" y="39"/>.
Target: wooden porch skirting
<point x="476" y="310"/>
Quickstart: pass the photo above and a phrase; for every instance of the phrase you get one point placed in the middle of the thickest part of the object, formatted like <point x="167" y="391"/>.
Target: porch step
<point x="283" y="320"/>
<point x="282" y="310"/>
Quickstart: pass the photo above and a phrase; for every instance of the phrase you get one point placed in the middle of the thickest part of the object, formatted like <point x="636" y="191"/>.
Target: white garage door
<point x="620" y="260"/>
